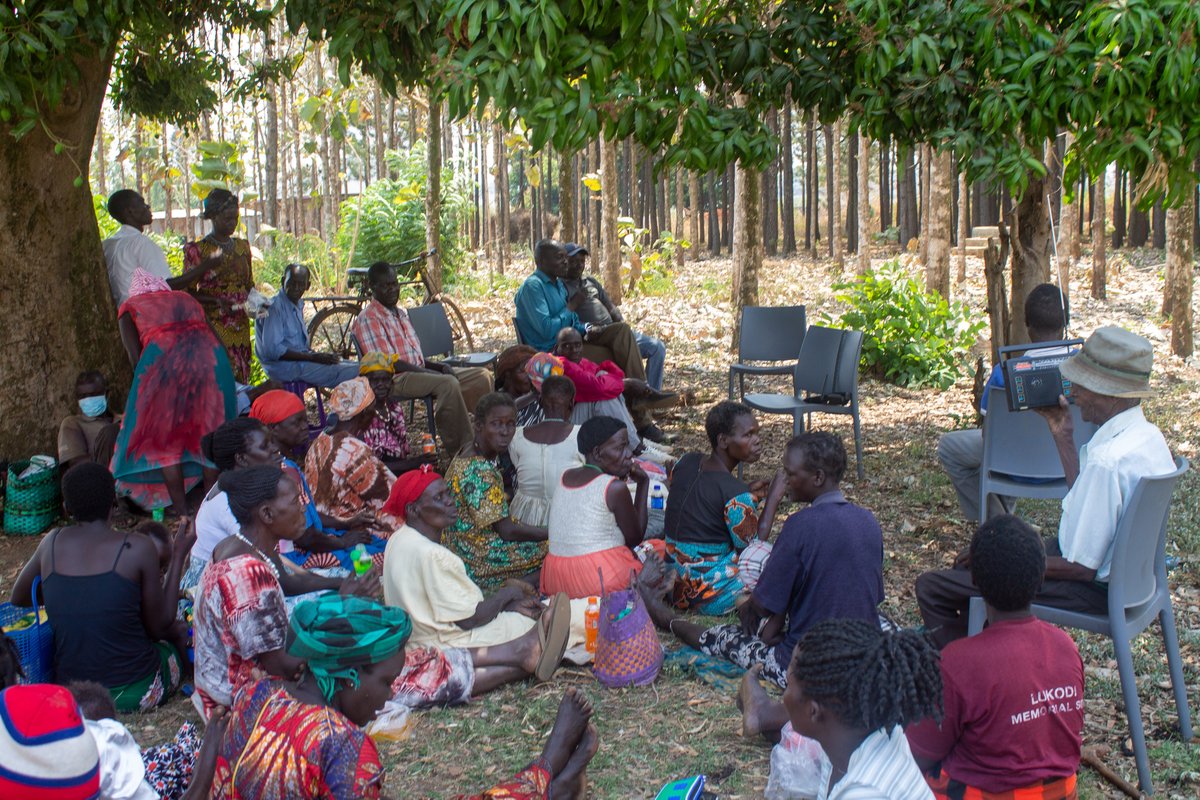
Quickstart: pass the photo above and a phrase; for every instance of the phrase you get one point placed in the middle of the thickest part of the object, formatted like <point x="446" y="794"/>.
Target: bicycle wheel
<point x="329" y="331"/>
<point x="463" y="341"/>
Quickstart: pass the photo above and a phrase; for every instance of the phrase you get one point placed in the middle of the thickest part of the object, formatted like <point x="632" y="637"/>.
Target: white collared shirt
<point x="127" y="250"/>
<point x="881" y="768"/>
<point x="1123" y="450"/>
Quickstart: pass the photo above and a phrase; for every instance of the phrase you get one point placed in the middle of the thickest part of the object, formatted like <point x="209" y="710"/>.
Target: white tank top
<point x="580" y="521"/>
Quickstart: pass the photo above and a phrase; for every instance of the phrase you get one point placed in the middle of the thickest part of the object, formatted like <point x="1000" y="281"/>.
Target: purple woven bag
<point x="628" y="652"/>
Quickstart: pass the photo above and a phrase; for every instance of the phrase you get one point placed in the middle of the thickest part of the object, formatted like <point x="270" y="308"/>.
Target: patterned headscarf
<point x="351" y="398"/>
<point x="337" y="634"/>
<point x="542" y="366"/>
<point x="378" y="362"/>
<point x="145" y="283"/>
<point x="407" y="488"/>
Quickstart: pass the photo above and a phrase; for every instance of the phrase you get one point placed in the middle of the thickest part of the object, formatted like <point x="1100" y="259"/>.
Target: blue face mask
<point x="93" y="406"/>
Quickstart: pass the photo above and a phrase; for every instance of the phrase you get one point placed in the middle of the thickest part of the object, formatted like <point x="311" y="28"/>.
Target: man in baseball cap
<point x="1109" y="377"/>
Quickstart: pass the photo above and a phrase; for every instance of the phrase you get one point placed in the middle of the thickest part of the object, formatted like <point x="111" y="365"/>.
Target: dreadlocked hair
<point x="10" y="662"/>
<point x="871" y="678"/>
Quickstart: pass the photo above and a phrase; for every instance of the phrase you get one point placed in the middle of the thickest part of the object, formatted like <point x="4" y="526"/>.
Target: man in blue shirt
<point x="544" y="309"/>
<point x="281" y="339"/>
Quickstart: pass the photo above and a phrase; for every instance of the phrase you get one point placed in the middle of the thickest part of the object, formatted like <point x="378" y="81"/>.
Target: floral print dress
<point x="231" y="283"/>
<point x="478" y="488"/>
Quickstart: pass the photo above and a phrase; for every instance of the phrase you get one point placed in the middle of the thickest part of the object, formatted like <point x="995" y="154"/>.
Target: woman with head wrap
<point x="541" y="452"/>
<point x="594" y="525"/>
<point x="328" y="541"/>
<point x="387" y="434"/>
<point x="304" y="738"/>
<point x="512" y="379"/>
<point x="182" y="389"/>
<point x="494" y="546"/>
<point x="226" y="283"/>
<point x="345" y="475"/>
<point x="431" y="582"/>
<point x="241" y="614"/>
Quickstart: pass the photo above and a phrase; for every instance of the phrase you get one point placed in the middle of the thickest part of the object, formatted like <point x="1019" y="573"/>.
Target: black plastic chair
<point x="769" y="333"/>
<point x="1137" y="594"/>
<point x="824" y="381"/>
<point x="432" y="327"/>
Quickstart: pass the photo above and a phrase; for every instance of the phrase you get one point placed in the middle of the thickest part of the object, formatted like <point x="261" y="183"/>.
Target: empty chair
<point x="768" y="333"/>
<point x="1019" y="455"/>
<point x="432" y="327"/>
<point x="824" y="381"/>
<point x="1137" y="594"/>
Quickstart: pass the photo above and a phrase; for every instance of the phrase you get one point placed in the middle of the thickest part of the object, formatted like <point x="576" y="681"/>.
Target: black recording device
<point x="1032" y="379"/>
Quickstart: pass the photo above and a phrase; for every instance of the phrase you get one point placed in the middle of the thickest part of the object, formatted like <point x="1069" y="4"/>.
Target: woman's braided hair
<point x="870" y="678"/>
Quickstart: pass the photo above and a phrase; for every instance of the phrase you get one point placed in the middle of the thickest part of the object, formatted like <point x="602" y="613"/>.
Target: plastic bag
<point x="393" y="723"/>
<point x="795" y="767"/>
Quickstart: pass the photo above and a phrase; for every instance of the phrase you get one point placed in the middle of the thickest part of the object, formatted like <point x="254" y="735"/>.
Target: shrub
<point x="912" y="338"/>
<point x="309" y="250"/>
<point x="393" y="216"/>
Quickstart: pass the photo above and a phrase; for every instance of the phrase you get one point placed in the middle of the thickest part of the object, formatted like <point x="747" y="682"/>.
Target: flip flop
<point x="553" y="637"/>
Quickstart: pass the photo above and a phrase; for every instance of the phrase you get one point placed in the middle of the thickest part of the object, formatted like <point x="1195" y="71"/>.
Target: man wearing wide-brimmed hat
<point x="1109" y="377"/>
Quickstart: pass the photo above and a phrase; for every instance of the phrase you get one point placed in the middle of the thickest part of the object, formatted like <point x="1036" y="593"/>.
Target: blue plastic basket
<point x="35" y="644"/>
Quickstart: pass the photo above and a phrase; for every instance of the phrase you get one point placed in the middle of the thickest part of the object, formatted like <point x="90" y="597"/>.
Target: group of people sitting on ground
<point x="485" y="572"/>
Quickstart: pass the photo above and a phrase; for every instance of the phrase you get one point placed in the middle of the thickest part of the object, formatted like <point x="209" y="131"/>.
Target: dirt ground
<point x="680" y="726"/>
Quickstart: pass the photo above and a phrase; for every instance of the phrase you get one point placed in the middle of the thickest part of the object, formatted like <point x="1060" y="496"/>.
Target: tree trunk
<point x="1068" y="228"/>
<point x="885" y="186"/>
<point x="830" y="187"/>
<point x="864" y="203"/>
<point x="835" y="197"/>
<point x="101" y="165"/>
<point x="714" y="224"/>
<point x="789" y="178"/>
<point x="168" y="188"/>
<point x="1099" y="240"/>
<point x="964" y="224"/>
<point x="694" y="212"/>
<point x="1177" y="294"/>
<point x="1118" y="210"/>
<point x="747" y="244"/>
<point x="271" y="181"/>
<point x="568" y="198"/>
<point x="51" y="263"/>
<point x="925" y="172"/>
<point x="139" y="181"/>
<point x="810" y="185"/>
<point x="852" y="192"/>
<point x="938" y="216"/>
<point x="502" y="200"/>
<point x="611" y="247"/>
<point x="769" y="183"/>
<point x="907" y="218"/>
<point x="1158" y="225"/>
<point x="433" y="191"/>
<point x="680" y="225"/>
<point x="1031" y="246"/>
<point x="1139" y="221"/>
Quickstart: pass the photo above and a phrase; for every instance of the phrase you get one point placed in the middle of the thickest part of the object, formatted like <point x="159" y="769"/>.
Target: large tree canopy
<point x="696" y="79"/>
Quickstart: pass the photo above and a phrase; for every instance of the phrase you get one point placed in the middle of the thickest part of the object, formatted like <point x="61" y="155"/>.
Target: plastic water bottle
<point x="591" y="621"/>
<point x="157" y="515"/>
<point x="428" y="446"/>
<point x="362" y="560"/>
<point x="658" y="496"/>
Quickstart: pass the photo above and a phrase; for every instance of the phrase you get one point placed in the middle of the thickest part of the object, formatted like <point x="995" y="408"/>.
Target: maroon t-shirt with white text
<point x="1014" y="707"/>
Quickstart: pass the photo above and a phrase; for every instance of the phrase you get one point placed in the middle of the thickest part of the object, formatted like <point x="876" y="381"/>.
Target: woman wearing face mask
<point x="182" y="389"/>
<point x="225" y="286"/>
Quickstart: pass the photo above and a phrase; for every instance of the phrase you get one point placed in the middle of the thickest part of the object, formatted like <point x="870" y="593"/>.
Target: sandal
<point x="553" y="637"/>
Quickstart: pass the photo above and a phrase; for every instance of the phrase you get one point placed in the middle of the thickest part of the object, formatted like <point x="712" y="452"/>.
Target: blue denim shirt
<point x="542" y="311"/>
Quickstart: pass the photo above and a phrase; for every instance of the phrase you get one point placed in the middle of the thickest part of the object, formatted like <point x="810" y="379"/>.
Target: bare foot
<point x="751" y="698"/>
<point x="570" y="782"/>
<point x="574" y="712"/>
<point x="656" y="607"/>
<point x="529" y="647"/>
<point x="656" y="576"/>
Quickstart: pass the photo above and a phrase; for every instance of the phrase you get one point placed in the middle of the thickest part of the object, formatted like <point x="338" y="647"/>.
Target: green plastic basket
<point x="30" y="504"/>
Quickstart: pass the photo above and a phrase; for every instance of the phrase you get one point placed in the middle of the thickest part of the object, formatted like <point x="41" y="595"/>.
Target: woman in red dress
<point x="182" y="389"/>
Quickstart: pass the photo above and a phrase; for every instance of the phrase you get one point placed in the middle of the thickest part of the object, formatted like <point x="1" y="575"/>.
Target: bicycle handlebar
<point x="415" y="259"/>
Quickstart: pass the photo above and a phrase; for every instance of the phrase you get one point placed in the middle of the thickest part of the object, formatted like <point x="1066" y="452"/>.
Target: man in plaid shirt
<point x="383" y="327"/>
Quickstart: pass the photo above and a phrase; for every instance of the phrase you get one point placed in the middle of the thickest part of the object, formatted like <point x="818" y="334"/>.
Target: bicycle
<point x="329" y="330"/>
